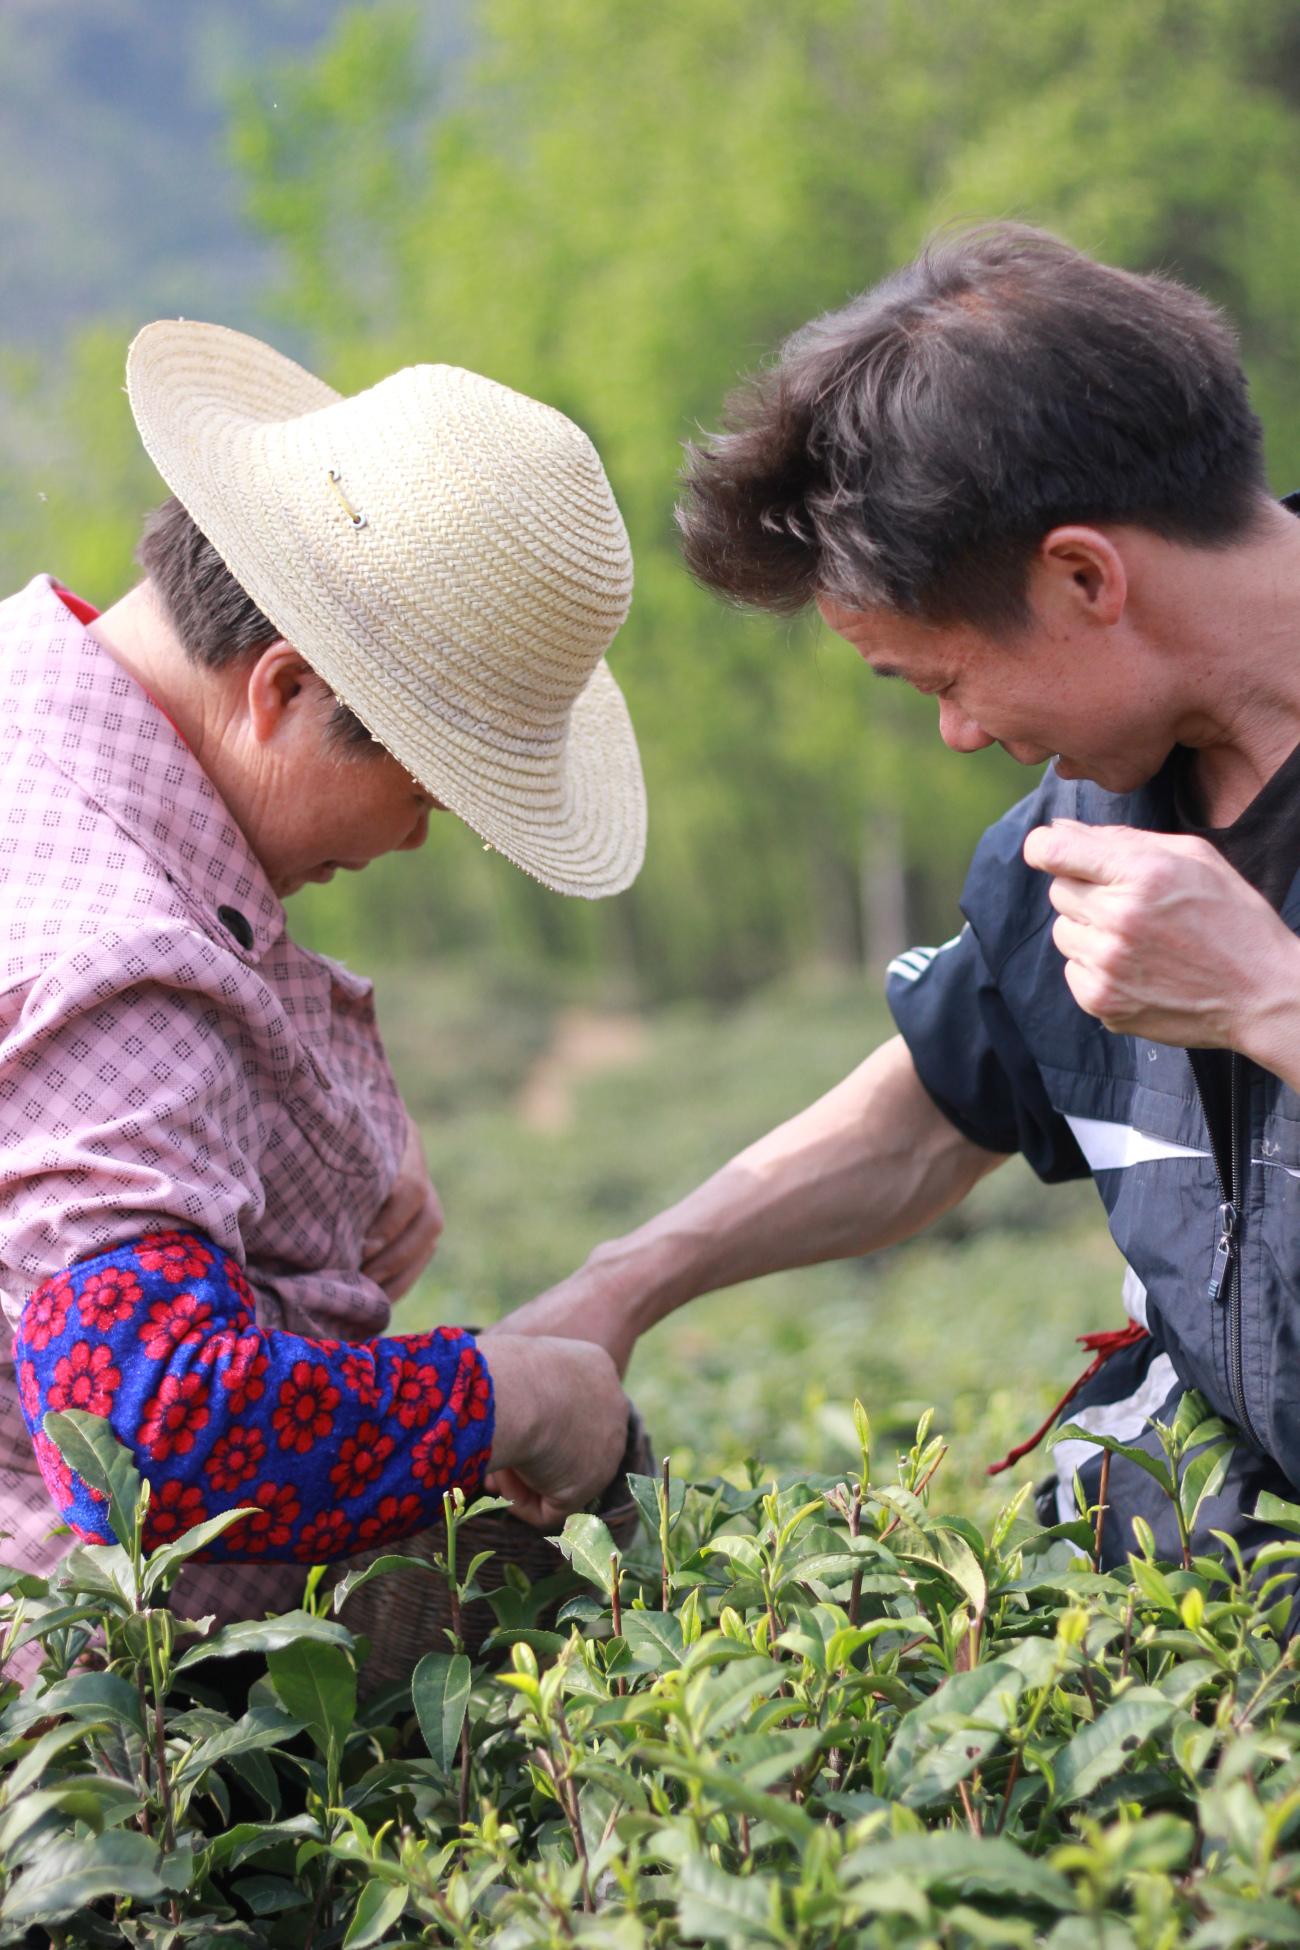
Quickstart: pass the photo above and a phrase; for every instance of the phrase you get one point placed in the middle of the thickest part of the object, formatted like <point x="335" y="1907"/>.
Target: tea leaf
<point x="587" y="1544"/>
<point x="379" y="1568"/>
<point x="1101" y="1749"/>
<point x="259" y="1728"/>
<point x="167" y="1560"/>
<point x="378" y="1907"/>
<point x="440" y="1690"/>
<point x="71" y="1874"/>
<point x="655" y="1637"/>
<point x="88" y="1445"/>
<point x="317" y="1685"/>
<point x="962" y="1861"/>
<point x="737" y="1909"/>
<point x="265" y="1635"/>
<point x="1204" y="1477"/>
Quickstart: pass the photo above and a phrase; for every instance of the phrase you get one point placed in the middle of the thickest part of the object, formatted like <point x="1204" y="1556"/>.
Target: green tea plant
<point x="805" y="1710"/>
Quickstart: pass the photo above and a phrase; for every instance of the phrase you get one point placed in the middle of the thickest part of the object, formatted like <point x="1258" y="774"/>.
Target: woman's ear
<point x="277" y="686"/>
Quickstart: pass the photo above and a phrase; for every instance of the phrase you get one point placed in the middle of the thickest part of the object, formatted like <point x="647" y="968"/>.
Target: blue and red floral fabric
<point x="333" y="1446"/>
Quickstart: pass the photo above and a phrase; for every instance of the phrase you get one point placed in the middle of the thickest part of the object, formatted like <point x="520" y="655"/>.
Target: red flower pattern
<point x="470" y="1391"/>
<point x="55" y="1473"/>
<point x="238" y="1284"/>
<point x="327" y="1536"/>
<point x="276" y="1509"/>
<point x="176" y="1255"/>
<point x="85" y="1378"/>
<point x="307" y="1401"/>
<point x="46" y="1313"/>
<point x="371" y="1420"/>
<point x="417" y="1393"/>
<point x="108" y="1296"/>
<point x="173" y="1508"/>
<point x="29" y="1391"/>
<point x="434" y="1457"/>
<point x="245" y="1374"/>
<point x="394" y="1516"/>
<point x="173" y="1417"/>
<point x="361" y="1460"/>
<point x="183" y="1322"/>
<point x="361" y="1372"/>
<point x="236" y="1458"/>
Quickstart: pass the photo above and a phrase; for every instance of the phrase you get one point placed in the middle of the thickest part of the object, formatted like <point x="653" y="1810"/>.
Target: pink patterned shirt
<point x="169" y="1057"/>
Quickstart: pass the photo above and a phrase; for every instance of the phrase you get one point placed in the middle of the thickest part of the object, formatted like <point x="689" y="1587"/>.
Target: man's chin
<point x="1110" y="777"/>
<point x="1028" y="754"/>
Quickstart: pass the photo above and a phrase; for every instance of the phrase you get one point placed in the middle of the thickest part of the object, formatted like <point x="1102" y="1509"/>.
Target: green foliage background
<point x="621" y="209"/>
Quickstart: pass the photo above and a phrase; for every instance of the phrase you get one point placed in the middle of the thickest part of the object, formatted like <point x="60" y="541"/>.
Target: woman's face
<point x="357" y="804"/>
<point x="309" y="802"/>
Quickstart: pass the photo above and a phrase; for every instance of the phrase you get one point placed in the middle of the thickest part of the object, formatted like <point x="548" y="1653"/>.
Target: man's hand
<point x="405" y="1233"/>
<point x="561" y="1424"/>
<point x="1163" y="939"/>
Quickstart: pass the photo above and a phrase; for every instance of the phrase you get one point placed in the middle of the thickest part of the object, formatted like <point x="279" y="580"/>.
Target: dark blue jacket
<point x="1005" y="1051"/>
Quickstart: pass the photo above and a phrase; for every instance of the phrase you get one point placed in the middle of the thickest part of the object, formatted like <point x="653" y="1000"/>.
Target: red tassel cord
<point x="1102" y="1345"/>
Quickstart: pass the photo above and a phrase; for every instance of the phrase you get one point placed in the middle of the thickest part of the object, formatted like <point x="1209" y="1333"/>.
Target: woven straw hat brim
<point x="464" y="621"/>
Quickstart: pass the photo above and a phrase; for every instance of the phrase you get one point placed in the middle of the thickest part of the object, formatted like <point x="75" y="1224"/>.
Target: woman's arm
<point x="333" y="1446"/>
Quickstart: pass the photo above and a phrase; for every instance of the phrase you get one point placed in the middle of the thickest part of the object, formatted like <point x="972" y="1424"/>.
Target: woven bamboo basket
<point x="405" y="1614"/>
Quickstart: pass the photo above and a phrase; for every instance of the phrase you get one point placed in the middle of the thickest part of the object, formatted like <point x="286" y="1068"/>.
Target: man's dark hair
<point x="217" y="623"/>
<point x="910" y="450"/>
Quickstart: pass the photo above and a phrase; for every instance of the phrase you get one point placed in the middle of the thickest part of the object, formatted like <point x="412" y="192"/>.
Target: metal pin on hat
<point x="335" y="481"/>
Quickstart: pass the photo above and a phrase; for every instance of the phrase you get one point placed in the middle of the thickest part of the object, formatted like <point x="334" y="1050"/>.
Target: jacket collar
<point x="101" y="729"/>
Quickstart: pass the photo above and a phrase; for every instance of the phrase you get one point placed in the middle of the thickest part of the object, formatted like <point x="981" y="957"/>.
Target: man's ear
<point x="277" y="683"/>
<point x="1079" y="569"/>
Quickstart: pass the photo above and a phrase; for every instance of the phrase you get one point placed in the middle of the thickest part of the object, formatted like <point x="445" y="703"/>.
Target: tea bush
<point x="809" y="1711"/>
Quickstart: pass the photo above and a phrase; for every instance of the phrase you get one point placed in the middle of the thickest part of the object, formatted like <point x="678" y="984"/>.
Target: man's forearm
<point x="868" y="1164"/>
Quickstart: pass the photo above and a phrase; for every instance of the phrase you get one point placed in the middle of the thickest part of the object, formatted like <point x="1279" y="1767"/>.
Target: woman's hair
<point x="217" y="623"/>
<point x="910" y="450"/>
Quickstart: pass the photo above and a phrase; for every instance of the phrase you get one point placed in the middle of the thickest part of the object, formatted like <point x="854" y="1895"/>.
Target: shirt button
<point x="237" y="924"/>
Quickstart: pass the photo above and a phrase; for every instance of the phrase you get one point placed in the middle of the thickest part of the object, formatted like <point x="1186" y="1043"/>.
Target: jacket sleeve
<point x="972" y="1058"/>
<point x="332" y="1446"/>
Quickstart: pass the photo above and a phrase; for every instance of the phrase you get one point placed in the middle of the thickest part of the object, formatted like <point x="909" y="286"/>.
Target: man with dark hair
<point x="1031" y="486"/>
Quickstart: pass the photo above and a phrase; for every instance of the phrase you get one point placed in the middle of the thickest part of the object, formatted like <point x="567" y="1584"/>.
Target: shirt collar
<point x="102" y="729"/>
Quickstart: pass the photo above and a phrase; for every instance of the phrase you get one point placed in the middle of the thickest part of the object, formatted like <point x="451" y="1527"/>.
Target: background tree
<point x="621" y="209"/>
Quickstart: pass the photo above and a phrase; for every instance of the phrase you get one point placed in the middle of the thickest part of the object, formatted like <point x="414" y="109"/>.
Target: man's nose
<point x="960" y="733"/>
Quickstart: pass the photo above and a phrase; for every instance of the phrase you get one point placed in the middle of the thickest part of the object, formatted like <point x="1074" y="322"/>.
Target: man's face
<point x="1039" y="694"/>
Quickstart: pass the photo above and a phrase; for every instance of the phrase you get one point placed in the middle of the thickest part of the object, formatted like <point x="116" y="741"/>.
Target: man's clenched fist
<point x="1163" y="939"/>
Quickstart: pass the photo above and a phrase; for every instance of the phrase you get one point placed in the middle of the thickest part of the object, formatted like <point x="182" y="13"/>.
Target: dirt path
<point x="584" y="1044"/>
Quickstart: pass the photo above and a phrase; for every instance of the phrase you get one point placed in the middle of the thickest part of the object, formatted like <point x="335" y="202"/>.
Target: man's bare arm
<point x="868" y="1164"/>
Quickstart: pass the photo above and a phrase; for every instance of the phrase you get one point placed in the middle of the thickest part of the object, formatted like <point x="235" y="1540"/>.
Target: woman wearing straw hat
<point x="356" y="612"/>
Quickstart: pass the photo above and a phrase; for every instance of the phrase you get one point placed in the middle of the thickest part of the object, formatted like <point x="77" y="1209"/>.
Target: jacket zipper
<point x="1224" y="1284"/>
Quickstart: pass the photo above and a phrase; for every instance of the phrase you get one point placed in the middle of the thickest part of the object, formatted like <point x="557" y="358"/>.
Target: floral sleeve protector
<point x="333" y="1446"/>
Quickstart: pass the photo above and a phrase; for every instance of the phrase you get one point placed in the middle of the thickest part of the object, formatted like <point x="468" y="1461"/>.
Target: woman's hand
<point x="405" y="1233"/>
<point x="561" y="1424"/>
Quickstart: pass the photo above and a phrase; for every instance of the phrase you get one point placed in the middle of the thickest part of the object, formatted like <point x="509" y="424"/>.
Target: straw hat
<point x="446" y="554"/>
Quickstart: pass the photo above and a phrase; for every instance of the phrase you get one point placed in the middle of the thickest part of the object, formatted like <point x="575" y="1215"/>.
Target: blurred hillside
<point x="120" y="192"/>
<point x="620" y="209"/>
